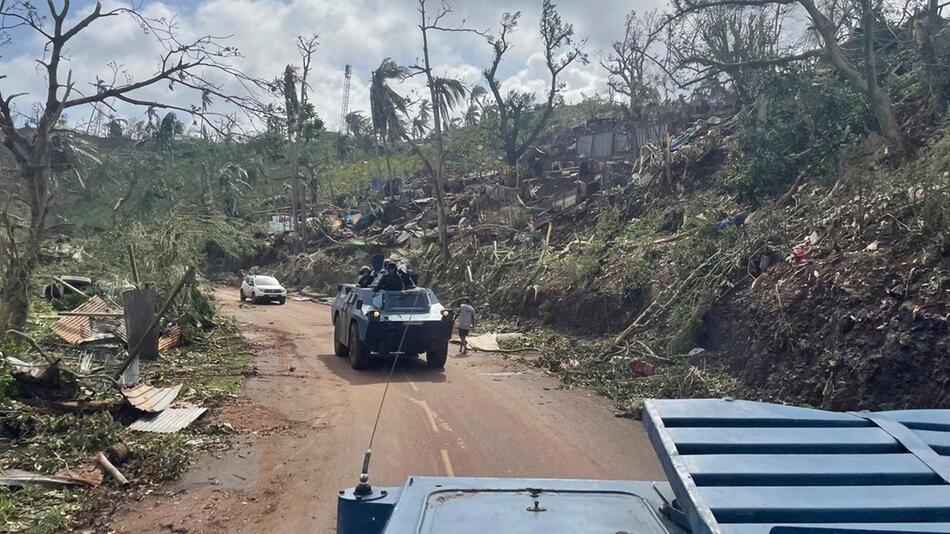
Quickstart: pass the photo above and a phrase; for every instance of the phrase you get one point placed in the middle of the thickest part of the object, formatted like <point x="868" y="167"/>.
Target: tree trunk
<point x="15" y="294"/>
<point x="439" y="147"/>
<point x="389" y="169"/>
<point x="878" y="100"/>
<point x="297" y="194"/>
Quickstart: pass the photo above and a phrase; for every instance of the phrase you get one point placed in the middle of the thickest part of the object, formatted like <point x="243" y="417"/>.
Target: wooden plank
<point x="797" y="504"/>
<point x="783" y="441"/>
<point x="765" y="528"/>
<point x="808" y="470"/>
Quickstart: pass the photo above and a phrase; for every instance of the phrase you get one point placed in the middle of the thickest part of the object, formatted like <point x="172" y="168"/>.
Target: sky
<point x="356" y="32"/>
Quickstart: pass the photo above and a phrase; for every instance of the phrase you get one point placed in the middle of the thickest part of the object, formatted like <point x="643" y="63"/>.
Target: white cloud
<point x="359" y="32"/>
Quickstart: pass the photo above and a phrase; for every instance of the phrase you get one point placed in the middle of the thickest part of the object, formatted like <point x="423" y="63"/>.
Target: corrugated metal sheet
<point x="603" y="145"/>
<point x="151" y="399"/>
<point x="584" y="144"/>
<point x="130" y="376"/>
<point x="34" y="370"/>
<point x="741" y="467"/>
<point x="76" y="329"/>
<point x="170" y="340"/>
<point x="169" y="420"/>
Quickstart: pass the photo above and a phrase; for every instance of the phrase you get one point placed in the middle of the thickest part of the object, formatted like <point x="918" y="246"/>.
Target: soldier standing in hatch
<point x="366" y="277"/>
<point x="391" y="281"/>
<point x="466" y="322"/>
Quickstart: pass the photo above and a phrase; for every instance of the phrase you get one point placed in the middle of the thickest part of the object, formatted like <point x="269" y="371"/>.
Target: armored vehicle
<point x="368" y="321"/>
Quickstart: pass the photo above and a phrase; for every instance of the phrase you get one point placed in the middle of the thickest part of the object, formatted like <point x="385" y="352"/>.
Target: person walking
<point x="466" y="323"/>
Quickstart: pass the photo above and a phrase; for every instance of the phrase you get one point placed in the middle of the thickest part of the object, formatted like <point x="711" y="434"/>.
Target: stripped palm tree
<point x="450" y="93"/>
<point x="386" y="105"/>
<point x="420" y="124"/>
<point x="475" y="105"/>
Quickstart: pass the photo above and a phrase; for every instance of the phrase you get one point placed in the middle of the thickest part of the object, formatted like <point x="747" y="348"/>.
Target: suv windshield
<point x="266" y="281"/>
<point x="406" y="301"/>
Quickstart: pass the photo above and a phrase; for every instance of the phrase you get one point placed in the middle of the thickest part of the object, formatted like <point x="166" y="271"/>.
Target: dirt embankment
<point x="841" y="334"/>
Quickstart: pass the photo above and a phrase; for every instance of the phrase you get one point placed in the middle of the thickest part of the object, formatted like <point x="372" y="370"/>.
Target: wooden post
<point x="136" y="277"/>
<point x="70" y="286"/>
<point x="139" y="305"/>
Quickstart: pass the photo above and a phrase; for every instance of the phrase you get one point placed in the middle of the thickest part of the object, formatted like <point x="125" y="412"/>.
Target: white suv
<point x="262" y="289"/>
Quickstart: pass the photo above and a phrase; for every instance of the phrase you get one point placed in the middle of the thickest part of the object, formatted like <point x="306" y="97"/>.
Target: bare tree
<point x="185" y="65"/>
<point x="863" y="75"/>
<point x="300" y="114"/>
<point x="725" y="40"/>
<point x="520" y="122"/>
<point x="443" y="94"/>
<point x="629" y="61"/>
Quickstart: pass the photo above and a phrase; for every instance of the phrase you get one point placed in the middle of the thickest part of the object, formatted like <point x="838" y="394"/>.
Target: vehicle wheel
<point x="242" y="295"/>
<point x="339" y="349"/>
<point x="281" y="300"/>
<point x="359" y="352"/>
<point x="254" y="299"/>
<point x="436" y="358"/>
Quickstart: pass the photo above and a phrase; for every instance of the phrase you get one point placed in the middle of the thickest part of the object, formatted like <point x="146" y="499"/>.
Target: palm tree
<point x="357" y="124"/>
<point x="475" y="105"/>
<point x="386" y="105"/>
<point x="420" y="124"/>
<point x="344" y="147"/>
<point x="450" y="92"/>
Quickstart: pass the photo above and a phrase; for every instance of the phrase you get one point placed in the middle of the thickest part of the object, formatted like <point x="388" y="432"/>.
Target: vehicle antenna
<point x="363" y="488"/>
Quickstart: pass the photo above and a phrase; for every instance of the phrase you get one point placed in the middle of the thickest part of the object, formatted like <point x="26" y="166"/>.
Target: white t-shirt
<point x="466" y="316"/>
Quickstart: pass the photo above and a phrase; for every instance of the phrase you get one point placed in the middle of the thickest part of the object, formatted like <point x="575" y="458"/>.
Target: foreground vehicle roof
<point x="740" y="467"/>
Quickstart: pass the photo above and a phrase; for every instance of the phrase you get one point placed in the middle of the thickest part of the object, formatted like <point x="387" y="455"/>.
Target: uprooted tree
<point x="520" y="119"/>
<point x="860" y="68"/>
<point x="184" y="64"/>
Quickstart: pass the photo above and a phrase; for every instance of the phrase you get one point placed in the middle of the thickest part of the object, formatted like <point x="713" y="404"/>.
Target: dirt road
<point x="306" y="419"/>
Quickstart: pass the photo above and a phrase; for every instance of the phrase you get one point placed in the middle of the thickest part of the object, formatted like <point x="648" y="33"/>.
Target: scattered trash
<point x="641" y="368"/>
<point x="737" y="219"/>
<point x="169" y="420"/>
<point x="872" y="246"/>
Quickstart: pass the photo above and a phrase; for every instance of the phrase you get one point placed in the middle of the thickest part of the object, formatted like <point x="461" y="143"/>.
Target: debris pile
<point x="88" y="395"/>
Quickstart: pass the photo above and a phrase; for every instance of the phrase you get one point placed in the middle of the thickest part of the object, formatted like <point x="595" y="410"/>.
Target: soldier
<point x="406" y="273"/>
<point x="366" y="277"/>
<point x="391" y="281"/>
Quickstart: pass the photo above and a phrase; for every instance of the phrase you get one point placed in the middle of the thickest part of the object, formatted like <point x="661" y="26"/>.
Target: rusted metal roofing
<point x="169" y="420"/>
<point x="76" y="329"/>
<point x="171" y="339"/>
<point x="151" y="399"/>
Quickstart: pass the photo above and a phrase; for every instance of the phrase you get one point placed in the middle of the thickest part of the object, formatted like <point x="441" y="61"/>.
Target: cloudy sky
<point x="358" y="32"/>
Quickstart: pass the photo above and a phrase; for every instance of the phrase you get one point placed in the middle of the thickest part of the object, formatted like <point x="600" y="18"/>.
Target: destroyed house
<point x="607" y="138"/>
